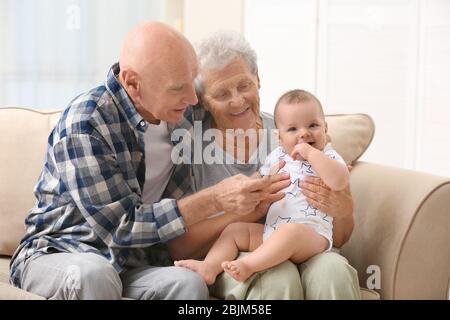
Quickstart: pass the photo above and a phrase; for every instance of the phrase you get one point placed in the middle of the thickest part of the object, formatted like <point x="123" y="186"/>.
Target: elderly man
<point x="107" y="164"/>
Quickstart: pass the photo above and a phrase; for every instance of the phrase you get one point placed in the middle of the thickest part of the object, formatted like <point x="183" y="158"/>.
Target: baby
<point x="294" y="230"/>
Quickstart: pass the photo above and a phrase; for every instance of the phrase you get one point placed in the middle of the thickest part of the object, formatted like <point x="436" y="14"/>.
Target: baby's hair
<point x="297" y="96"/>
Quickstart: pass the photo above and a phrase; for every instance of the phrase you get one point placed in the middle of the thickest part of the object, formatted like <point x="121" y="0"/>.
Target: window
<point x="52" y="50"/>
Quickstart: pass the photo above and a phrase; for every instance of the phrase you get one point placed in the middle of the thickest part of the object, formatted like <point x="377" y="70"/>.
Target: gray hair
<point x="219" y="49"/>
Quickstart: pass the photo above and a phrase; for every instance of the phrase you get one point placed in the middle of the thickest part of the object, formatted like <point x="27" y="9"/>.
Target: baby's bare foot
<point x="237" y="269"/>
<point x="201" y="267"/>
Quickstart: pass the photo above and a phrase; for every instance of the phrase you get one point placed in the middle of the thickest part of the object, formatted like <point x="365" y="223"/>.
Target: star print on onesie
<point x="294" y="208"/>
<point x="294" y="189"/>
<point x="280" y="220"/>
<point x="307" y="167"/>
<point x="309" y="211"/>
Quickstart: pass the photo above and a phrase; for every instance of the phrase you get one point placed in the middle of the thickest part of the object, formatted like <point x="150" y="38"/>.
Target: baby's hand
<point x="301" y="151"/>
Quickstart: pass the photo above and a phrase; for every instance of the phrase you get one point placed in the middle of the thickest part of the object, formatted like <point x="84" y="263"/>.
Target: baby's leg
<point x="291" y="241"/>
<point x="234" y="238"/>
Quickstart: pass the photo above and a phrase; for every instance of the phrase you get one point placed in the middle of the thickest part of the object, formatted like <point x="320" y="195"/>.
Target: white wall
<point x="389" y="59"/>
<point x="433" y="100"/>
<point x="283" y="33"/>
<point x="203" y="17"/>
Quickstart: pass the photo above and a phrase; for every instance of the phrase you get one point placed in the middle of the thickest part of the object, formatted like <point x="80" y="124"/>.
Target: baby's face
<point x="301" y="122"/>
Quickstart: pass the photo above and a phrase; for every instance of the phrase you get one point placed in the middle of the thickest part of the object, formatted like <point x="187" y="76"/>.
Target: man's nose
<point x="191" y="96"/>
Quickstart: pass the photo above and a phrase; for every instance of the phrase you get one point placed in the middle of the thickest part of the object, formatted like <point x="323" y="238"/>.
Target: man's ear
<point x="130" y="82"/>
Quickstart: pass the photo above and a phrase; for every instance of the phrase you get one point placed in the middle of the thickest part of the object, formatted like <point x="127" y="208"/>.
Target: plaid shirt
<point x="89" y="191"/>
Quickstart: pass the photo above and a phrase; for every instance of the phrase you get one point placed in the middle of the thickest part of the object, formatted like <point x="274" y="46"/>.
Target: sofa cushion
<point x="8" y="292"/>
<point x="367" y="294"/>
<point x="23" y="138"/>
<point x="4" y="269"/>
<point x="351" y="134"/>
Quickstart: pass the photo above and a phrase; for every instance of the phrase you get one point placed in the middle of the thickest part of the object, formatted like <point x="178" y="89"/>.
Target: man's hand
<point x="240" y="194"/>
<point x="278" y="181"/>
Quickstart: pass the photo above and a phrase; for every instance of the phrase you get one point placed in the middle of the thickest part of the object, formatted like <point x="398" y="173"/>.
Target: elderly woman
<point x="228" y="90"/>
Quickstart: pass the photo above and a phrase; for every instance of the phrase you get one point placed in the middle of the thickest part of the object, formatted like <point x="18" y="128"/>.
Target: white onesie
<point x="294" y="207"/>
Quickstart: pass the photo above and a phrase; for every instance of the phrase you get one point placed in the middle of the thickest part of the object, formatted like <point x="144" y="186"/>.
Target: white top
<point x="158" y="162"/>
<point x="294" y="207"/>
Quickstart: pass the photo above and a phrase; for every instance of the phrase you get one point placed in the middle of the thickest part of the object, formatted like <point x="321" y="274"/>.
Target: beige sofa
<point x="401" y="240"/>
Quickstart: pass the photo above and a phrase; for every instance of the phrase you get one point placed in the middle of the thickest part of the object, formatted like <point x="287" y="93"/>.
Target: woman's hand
<point x="337" y="204"/>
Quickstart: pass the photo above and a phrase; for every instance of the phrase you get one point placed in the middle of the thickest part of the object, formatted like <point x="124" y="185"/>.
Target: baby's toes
<point x="226" y="265"/>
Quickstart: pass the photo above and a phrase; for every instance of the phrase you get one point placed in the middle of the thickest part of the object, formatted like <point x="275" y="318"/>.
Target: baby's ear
<point x="326" y="132"/>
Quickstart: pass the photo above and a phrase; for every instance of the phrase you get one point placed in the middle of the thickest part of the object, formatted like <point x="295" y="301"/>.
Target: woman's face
<point x="231" y="95"/>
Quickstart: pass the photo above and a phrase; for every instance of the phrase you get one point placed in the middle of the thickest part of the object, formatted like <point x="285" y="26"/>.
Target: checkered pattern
<point x="89" y="191"/>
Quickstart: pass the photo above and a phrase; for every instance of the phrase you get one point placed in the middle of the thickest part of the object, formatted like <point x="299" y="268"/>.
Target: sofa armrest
<point x="9" y="292"/>
<point x="402" y="223"/>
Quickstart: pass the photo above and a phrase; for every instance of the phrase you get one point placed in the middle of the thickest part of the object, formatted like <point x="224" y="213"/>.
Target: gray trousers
<point x="88" y="276"/>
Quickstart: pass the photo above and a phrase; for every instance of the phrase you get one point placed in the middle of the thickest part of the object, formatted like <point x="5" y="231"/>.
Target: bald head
<point x="158" y="66"/>
<point x="151" y="42"/>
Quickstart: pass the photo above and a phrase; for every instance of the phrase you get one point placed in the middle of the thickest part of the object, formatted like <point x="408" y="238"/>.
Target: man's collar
<point x="122" y="99"/>
<point x="192" y="114"/>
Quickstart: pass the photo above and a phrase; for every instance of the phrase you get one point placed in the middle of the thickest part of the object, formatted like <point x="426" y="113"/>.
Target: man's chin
<point x="174" y="118"/>
<point x="176" y="115"/>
